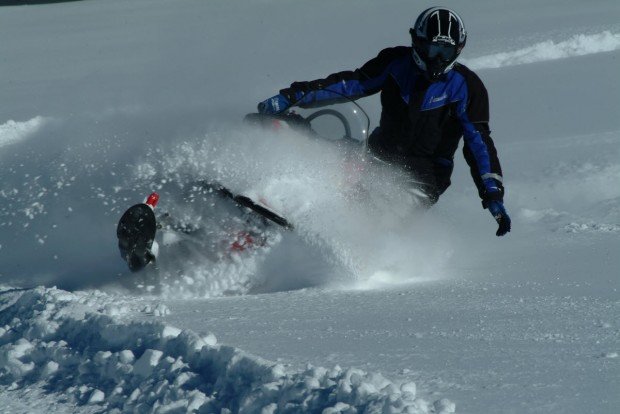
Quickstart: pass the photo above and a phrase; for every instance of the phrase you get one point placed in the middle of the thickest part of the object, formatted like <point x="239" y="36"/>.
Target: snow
<point x="86" y="355"/>
<point x="577" y="45"/>
<point x="12" y="131"/>
<point x="369" y="305"/>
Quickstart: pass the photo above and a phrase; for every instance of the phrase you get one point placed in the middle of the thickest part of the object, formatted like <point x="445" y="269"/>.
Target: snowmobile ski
<point x="247" y="202"/>
<point x="136" y="234"/>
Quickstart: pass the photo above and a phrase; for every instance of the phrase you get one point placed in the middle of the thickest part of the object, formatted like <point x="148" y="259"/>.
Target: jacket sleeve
<point x="343" y="86"/>
<point x="479" y="149"/>
<point x="490" y="184"/>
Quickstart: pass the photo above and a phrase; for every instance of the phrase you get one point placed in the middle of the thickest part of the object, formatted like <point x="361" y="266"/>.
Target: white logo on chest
<point x="439" y="98"/>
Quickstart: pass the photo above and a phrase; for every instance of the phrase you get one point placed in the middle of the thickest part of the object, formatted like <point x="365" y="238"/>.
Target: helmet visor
<point x="434" y="50"/>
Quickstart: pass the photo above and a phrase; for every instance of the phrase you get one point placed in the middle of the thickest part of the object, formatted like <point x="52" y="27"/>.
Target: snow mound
<point x="577" y="45"/>
<point x="12" y="131"/>
<point x="74" y="344"/>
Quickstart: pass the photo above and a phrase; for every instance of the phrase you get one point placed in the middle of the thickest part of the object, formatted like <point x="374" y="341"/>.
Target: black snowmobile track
<point x="136" y="232"/>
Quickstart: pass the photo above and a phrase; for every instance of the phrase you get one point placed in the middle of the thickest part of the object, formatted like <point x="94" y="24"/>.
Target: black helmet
<point x="438" y="37"/>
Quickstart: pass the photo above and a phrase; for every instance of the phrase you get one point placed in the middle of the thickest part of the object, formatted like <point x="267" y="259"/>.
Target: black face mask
<point x="435" y="68"/>
<point x="437" y="56"/>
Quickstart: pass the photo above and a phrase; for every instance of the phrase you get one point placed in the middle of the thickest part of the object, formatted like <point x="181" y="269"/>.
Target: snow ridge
<point x="57" y="339"/>
<point x="577" y="45"/>
<point x="12" y="131"/>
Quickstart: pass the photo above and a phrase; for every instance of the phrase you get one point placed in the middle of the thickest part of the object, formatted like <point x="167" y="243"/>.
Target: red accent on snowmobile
<point x="244" y="241"/>
<point x="152" y="200"/>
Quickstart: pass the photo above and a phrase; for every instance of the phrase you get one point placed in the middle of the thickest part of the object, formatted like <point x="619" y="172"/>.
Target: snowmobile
<point x="342" y="124"/>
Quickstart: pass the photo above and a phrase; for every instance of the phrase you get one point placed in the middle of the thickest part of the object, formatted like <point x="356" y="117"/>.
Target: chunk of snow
<point x="269" y="409"/>
<point x="444" y="406"/>
<point x="50" y="368"/>
<point x="145" y="364"/>
<point x="408" y="387"/>
<point x="96" y="397"/>
<point x="170" y="332"/>
<point x="126" y="357"/>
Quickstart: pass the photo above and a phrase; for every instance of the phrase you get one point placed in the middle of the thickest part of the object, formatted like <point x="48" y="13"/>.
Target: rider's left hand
<point x="500" y="215"/>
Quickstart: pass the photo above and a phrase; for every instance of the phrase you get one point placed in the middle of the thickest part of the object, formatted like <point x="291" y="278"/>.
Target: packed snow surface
<point x="370" y="305"/>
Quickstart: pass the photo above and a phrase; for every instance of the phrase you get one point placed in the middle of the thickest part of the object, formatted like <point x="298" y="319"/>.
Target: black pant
<point x="429" y="174"/>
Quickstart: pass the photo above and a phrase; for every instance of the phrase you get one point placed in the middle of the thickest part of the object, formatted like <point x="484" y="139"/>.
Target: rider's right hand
<point x="274" y="105"/>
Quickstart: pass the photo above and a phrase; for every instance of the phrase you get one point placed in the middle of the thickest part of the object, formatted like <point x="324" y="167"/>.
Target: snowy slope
<point x="105" y="101"/>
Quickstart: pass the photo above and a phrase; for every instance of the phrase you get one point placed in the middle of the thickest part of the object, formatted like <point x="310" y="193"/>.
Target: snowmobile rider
<point x="429" y="101"/>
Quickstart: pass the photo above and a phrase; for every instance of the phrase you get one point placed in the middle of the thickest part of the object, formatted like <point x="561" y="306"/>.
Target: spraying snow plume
<point x="64" y="196"/>
<point x="360" y="219"/>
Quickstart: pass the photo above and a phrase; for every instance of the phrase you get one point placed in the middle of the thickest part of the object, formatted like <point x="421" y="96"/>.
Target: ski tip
<point x="152" y="200"/>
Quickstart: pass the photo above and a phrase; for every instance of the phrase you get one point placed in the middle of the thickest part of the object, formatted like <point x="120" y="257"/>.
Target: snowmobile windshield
<point x="344" y="121"/>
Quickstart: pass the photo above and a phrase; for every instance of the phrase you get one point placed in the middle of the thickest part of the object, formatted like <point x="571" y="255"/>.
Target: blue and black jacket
<point x="422" y="122"/>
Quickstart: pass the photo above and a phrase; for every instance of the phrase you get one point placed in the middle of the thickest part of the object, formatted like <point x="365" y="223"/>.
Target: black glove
<point x="498" y="211"/>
